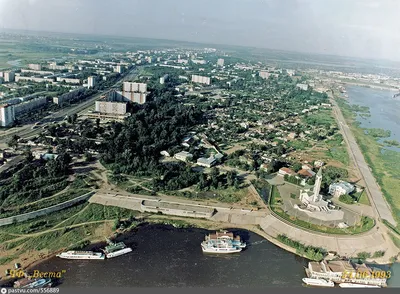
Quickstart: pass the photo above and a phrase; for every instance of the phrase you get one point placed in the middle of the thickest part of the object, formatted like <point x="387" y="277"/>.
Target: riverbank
<point x="36" y="260"/>
<point x="384" y="163"/>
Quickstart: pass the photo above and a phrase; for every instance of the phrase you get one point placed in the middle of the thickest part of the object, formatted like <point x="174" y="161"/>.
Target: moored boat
<point x="318" y="282"/>
<point x="116" y="249"/>
<point x="225" y="235"/>
<point x="222" y="246"/>
<point x="81" y="255"/>
<point x="352" y="285"/>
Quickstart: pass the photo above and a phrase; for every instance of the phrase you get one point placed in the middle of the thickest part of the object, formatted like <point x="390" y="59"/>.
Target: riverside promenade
<point x="270" y="226"/>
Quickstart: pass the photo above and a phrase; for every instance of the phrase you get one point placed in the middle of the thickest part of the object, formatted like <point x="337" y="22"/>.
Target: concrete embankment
<point x="44" y="211"/>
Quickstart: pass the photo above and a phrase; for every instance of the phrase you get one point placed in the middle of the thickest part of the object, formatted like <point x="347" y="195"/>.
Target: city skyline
<point x="364" y="29"/>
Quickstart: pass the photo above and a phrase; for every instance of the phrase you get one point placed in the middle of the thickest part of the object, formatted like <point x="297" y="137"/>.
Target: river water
<point x="384" y="110"/>
<point x="164" y="256"/>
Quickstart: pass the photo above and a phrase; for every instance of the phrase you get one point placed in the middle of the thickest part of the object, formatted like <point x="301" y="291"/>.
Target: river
<point x="164" y="256"/>
<point x="384" y="110"/>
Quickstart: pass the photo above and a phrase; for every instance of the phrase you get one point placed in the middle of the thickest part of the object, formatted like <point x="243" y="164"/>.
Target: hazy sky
<point x="363" y="28"/>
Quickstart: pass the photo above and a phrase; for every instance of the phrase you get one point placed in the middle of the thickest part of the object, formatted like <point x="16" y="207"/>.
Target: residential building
<point x="7" y="115"/>
<point x="91" y="82"/>
<point x="183" y="156"/>
<point x="111" y="107"/>
<point x="199" y="61"/>
<point x="302" y="86"/>
<point x="286" y="171"/>
<point x="207" y="162"/>
<point x="264" y="74"/>
<point x="201" y="79"/>
<point x="9" y="76"/>
<point x="29" y="105"/>
<point x="135" y="87"/>
<point x="163" y="79"/>
<point x="68" y="80"/>
<point x="341" y="188"/>
<point x="35" y="66"/>
<point x="220" y="62"/>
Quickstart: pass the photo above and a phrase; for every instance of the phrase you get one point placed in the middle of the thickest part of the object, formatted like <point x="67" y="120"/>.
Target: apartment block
<point x="7" y="115"/>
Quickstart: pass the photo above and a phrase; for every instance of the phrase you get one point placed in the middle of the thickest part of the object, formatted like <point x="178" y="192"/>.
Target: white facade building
<point x="7" y="115"/>
<point x="341" y="188"/>
<point x="201" y="79"/>
<point x="111" y="107"/>
<point x="220" y="62"/>
<point x="91" y="82"/>
<point x="9" y="76"/>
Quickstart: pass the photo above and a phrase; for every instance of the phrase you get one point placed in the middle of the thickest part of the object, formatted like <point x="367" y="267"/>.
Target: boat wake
<point x="257" y="242"/>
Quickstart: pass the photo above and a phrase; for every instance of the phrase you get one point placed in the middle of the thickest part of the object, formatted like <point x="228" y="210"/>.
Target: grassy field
<point x="385" y="164"/>
<point x="73" y="227"/>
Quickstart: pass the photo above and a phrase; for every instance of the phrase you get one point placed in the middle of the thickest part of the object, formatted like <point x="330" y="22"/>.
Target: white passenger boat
<point x="318" y="282"/>
<point x="81" y="255"/>
<point x="223" y="246"/>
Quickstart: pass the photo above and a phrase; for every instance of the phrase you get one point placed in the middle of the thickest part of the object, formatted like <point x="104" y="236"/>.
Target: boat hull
<point x="351" y="285"/>
<point x="119" y="252"/>
<point x="219" y="251"/>
<point x="318" y="282"/>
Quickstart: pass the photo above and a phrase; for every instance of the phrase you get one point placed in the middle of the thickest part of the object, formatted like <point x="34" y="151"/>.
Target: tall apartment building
<point x="135" y="87"/>
<point x="9" y="76"/>
<point x="29" y="105"/>
<point x="201" y="79"/>
<point x="91" y="82"/>
<point x="220" y="62"/>
<point x="163" y="79"/>
<point x="7" y="115"/>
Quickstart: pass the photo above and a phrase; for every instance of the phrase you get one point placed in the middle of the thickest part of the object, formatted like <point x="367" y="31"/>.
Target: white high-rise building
<point x="201" y="79"/>
<point x="9" y="76"/>
<point x="134" y="87"/>
<point x="91" y="82"/>
<point x="7" y="115"/>
<point x="220" y="62"/>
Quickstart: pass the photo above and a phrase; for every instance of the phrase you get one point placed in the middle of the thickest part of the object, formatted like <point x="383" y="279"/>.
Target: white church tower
<point x="317" y="186"/>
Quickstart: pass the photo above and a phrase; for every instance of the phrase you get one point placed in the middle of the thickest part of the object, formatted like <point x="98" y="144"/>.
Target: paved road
<point x="27" y="131"/>
<point x="375" y="194"/>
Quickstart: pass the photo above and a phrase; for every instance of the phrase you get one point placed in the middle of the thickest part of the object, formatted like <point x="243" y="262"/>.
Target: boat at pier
<point x="318" y="282"/>
<point x="351" y="285"/>
<point x="116" y="249"/>
<point x="224" y="246"/>
<point x="226" y="236"/>
<point x="222" y="242"/>
<point x="81" y="255"/>
<point x="343" y="271"/>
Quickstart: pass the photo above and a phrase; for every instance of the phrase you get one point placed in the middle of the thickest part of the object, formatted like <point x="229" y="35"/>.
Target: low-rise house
<point x="184" y="156"/>
<point x="207" y="162"/>
<point x="341" y="188"/>
<point x="286" y="171"/>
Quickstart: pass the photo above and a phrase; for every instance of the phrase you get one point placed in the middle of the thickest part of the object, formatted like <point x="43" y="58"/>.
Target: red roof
<point x="287" y="170"/>
<point x="304" y="173"/>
